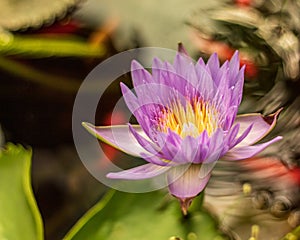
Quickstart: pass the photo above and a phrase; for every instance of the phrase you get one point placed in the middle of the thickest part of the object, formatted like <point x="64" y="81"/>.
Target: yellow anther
<point x="254" y="232"/>
<point x="247" y="189"/>
<point x="291" y="236"/>
<point x="189" y="120"/>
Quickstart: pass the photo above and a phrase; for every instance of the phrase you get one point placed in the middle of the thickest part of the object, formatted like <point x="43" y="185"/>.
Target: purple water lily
<point x="187" y="115"/>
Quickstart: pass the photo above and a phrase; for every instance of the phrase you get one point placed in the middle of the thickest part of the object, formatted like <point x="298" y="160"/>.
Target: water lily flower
<point x="187" y="115"/>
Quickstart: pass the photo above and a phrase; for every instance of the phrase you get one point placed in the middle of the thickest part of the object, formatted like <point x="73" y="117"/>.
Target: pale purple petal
<point x="169" y="149"/>
<point x="119" y="137"/>
<point x="203" y="147"/>
<point x="178" y="84"/>
<point x="157" y="66"/>
<point x="146" y="107"/>
<point x="230" y="137"/>
<point x="185" y="182"/>
<point x="158" y="160"/>
<point x="141" y="172"/>
<point x="241" y="137"/>
<point x="189" y="148"/>
<point x="205" y="85"/>
<point x="237" y="89"/>
<point x="261" y="127"/>
<point x="170" y="145"/>
<point x="187" y="151"/>
<point x="221" y="79"/>
<point x="193" y="81"/>
<point x="204" y="140"/>
<point x="239" y="153"/>
<point x="216" y="145"/>
<point x="145" y="143"/>
<point x="234" y="67"/>
<point x="130" y="99"/>
<point x="228" y="119"/>
<point x="139" y="74"/>
<point x="214" y="65"/>
<point x="181" y="64"/>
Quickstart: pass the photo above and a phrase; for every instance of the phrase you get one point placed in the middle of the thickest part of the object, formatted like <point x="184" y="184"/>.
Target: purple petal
<point x="237" y="89"/>
<point x="160" y="92"/>
<point x="154" y="154"/>
<point x="157" y="66"/>
<point x="139" y="74"/>
<point x="214" y="65"/>
<point x="130" y="99"/>
<point x="137" y="110"/>
<point x="192" y="79"/>
<point x="172" y="80"/>
<point x="186" y="152"/>
<point x="119" y="137"/>
<point x="146" y="107"/>
<point x="205" y="85"/>
<point x="181" y="64"/>
<point x="202" y="148"/>
<point x="154" y="159"/>
<point x="146" y="144"/>
<point x="170" y="145"/>
<point x="241" y="137"/>
<point x="190" y="148"/>
<point x="141" y="172"/>
<point x="204" y="142"/>
<point x="221" y="79"/>
<point x="182" y="83"/>
<point x="216" y="145"/>
<point x="184" y="181"/>
<point x="239" y="153"/>
<point x="230" y="137"/>
<point x="229" y="117"/>
<point x="234" y="67"/>
<point x="261" y="126"/>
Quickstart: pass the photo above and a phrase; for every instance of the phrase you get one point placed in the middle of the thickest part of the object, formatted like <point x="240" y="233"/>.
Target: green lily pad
<point x="155" y="215"/>
<point x="19" y="215"/>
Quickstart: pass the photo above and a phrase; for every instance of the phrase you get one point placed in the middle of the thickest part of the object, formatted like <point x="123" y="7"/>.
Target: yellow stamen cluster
<point x="189" y="120"/>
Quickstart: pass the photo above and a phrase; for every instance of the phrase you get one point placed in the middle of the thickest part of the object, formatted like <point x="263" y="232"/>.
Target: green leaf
<point x="19" y="215"/>
<point x="47" y="47"/>
<point x="147" y="216"/>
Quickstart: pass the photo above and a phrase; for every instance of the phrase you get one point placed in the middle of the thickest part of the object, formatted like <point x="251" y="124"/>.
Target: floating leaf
<point x="19" y="215"/>
<point x="146" y="216"/>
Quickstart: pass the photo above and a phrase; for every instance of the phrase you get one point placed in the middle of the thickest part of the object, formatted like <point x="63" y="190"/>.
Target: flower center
<point x="189" y="120"/>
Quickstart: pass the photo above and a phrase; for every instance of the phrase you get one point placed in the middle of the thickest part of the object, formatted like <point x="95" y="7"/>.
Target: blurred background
<point x="48" y="48"/>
